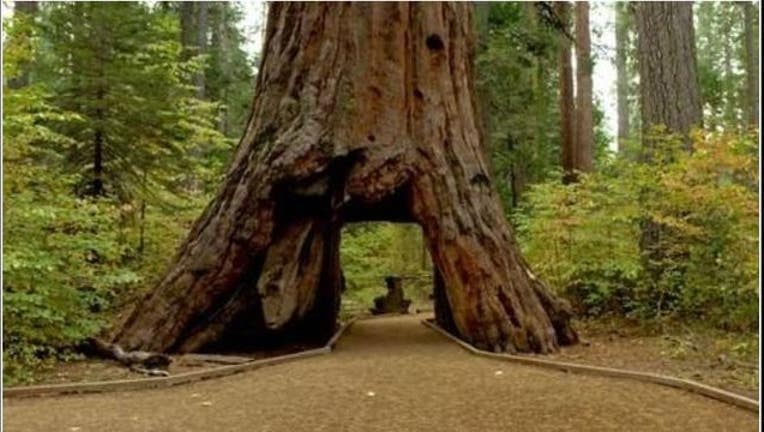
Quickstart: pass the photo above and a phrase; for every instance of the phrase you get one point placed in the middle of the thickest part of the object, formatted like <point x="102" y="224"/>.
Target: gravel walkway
<point x="388" y="374"/>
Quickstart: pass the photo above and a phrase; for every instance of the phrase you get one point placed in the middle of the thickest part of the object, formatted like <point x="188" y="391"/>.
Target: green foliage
<point x="517" y="75"/>
<point x="119" y="66"/>
<point x="584" y="239"/>
<point x="70" y="261"/>
<point x="516" y="67"/>
<point x="228" y="73"/>
<point x="372" y="251"/>
<point x="721" y="63"/>
<point x="625" y="23"/>
<point x="61" y="254"/>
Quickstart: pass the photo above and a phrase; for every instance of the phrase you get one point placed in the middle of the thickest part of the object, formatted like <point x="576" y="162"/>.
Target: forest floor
<point x="386" y="374"/>
<point x="89" y="370"/>
<point x="725" y="360"/>
<point x="721" y="359"/>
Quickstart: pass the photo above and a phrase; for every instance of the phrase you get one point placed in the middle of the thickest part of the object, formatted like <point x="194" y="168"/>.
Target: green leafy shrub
<point x="61" y="256"/>
<point x="70" y="263"/>
<point x="585" y="238"/>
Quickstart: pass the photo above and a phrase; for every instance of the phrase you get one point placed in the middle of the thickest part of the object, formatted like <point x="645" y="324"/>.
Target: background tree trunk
<point x="201" y="44"/>
<point x="193" y="36"/>
<point x="752" y="63"/>
<point x="187" y="38"/>
<point x="667" y="68"/>
<point x="517" y="173"/>
<point x="584" y="145"/>
<point x="220" y="43"/>
<point x="670" y="96"/>
<point x="622" y="80"/>
<point x="362" y="112"/>
<point x="27" y="7"/>
<point x="567" y="103"/>
<point x="732" y="102"/>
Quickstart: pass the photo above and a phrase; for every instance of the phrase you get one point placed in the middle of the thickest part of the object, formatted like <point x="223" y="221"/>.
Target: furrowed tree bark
<point x="731" y="99"/>
<point x="669" y="89"/>
<point x="622" y="81"/>
<point x="187" y="24"/>
<point x="584" y="149"/>
<point x="362" y="112"/>
<point x="566" y="101"/>
<point x="751" y="63"/>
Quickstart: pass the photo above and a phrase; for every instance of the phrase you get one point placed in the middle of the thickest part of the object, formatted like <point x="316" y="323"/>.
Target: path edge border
<point x="664" y="380"/>
<point x="173" y="380"/>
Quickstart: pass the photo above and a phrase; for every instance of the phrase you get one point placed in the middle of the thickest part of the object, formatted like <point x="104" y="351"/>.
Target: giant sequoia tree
<point x="361" y="112"/>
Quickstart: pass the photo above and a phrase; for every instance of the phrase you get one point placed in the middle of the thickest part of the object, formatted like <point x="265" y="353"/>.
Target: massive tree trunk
<point x="584" y="149"/>
<point x="362" y="112"/>
<point x="566" y="102"/>
<point x="622" y="81"/>
<point x="482" y="13"/>
<point x="668" y="79"/>
<point x="751" y="64"/>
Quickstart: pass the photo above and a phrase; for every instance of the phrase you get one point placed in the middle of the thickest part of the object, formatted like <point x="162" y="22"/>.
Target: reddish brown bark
<point x="362" y="112"/>
<point x="566" y="101"/>
<point x="622" y="30"/>
<point x="584" y="145"/>
<point x="751" y="63"/>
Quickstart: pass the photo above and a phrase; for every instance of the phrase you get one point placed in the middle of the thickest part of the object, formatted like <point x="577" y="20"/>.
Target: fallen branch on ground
<point x="138" y="361"/>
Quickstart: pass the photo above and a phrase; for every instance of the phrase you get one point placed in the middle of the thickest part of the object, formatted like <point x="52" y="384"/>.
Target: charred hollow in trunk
<point x="362" y="112"/>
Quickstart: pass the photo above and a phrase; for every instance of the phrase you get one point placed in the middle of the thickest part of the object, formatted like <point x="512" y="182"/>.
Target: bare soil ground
<point x="98" y="370"/>
<point x="722" y="360"/>
<point x="387" y="374"/>
<point x="714" y="358"/>
<point x="89" y="370"/>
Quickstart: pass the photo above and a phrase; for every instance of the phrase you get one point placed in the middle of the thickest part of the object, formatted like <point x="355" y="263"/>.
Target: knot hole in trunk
<point x="434" y="42"/>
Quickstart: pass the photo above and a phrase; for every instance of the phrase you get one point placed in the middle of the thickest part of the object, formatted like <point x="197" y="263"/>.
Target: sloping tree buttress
<point x="362" y="112"/>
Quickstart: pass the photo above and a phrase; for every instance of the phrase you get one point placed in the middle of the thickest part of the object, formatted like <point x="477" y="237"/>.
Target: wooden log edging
<point x="213" y="358"/>
<point x="669" y="381"/>
<point x="172" y="380"/>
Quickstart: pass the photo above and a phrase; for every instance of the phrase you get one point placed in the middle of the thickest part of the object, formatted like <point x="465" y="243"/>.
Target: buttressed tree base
<point x="362" y="112"/>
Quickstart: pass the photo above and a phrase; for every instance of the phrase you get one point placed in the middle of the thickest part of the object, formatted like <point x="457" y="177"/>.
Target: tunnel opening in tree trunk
<point x="386" y="268"/>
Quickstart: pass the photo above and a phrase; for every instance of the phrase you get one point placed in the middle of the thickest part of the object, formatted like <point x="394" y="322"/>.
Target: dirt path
<point x="389" y="374"/>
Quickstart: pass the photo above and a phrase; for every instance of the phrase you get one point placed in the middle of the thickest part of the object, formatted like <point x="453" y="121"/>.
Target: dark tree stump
<point x="393" y="301"/>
